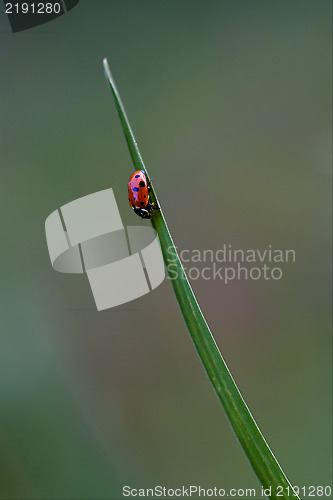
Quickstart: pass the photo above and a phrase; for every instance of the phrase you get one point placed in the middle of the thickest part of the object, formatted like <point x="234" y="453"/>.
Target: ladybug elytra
<point x="138" y="195"/>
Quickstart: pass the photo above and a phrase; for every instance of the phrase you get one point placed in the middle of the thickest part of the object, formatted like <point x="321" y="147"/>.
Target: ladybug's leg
<point x="152" y="206"/>
<point x="143" y="212"/>
<point x="146" y="215"/>
<point x="149" y="185"/>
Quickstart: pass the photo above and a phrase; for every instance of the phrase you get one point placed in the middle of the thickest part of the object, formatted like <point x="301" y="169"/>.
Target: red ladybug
<point x="138" y="195"/>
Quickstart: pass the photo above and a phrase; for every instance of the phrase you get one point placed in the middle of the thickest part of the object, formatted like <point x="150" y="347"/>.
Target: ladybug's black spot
<point x="142" y="184"/>
<point x="132" y="205"/>
<point x="144" y="196"/>
<point x="135" y="189"/>
<point x="142" y="203"/>
<point x="137" y="175"/>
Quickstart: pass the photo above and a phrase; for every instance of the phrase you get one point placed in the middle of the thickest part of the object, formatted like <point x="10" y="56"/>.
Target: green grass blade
<point x="254" y="445"/>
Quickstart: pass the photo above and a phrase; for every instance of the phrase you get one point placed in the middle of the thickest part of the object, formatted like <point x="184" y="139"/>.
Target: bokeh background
<point x="230" y="102"/>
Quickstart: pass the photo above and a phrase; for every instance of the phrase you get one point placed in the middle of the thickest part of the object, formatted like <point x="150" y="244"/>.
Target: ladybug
<point x="138" y="195"/>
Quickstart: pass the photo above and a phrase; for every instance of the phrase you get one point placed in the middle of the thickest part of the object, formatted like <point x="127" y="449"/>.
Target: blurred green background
<point x="230" y="102"/>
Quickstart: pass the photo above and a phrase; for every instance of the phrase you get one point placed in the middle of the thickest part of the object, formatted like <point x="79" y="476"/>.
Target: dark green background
<point x="230" y="102"/>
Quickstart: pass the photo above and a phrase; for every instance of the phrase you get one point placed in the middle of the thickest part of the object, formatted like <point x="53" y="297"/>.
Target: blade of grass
<point x="261" y="458"/>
